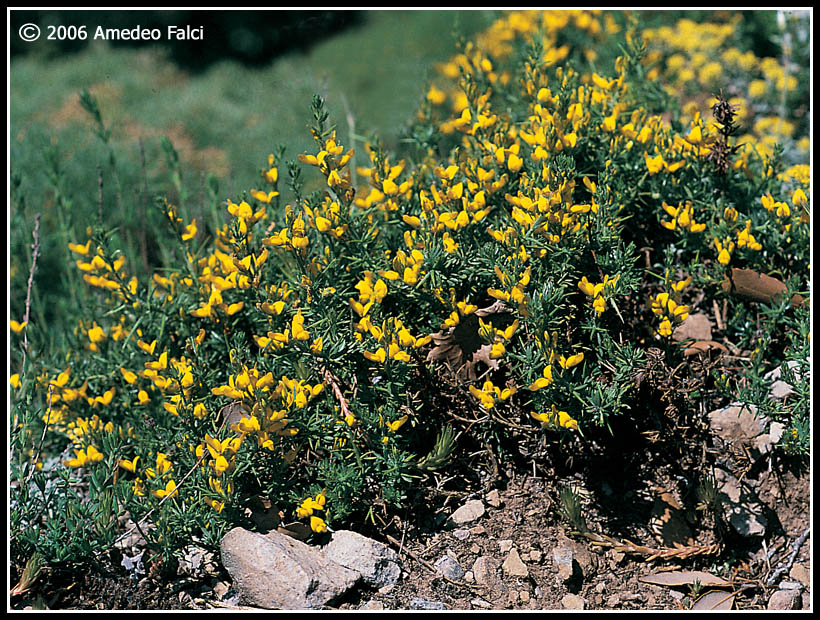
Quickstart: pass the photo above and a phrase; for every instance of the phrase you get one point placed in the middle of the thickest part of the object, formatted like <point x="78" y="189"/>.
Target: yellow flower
<point x="129" y="465"/>
<point x="17" y="327"/>
<point x="572" y="360"/>
<point x="84" y="457"/>
<point x="190" y="231"/>
<point x="318" y="525"/>
<point x="654" y="164"/>
<point x="542" y="381"/>
<point x="169" y="490"/>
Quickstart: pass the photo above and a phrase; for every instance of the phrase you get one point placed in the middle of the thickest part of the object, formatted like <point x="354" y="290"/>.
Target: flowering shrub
<point x="557" y="214"/>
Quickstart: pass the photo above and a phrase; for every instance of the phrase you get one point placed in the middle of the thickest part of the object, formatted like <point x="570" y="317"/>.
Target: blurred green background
<point x="224" y="104"/>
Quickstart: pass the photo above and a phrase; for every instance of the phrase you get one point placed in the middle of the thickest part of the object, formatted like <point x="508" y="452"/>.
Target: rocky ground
<point x="647" y="533"/>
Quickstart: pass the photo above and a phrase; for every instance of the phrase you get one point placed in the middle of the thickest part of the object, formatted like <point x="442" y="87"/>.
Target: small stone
<point x="373" y="605"/>
<point x="485" y="570"/>
<point x="784" y="600"/>
<point x="535" y="556"/>
<point x="493" y="498"/>
<point x="779" y="390"/>
<point x="614" y="600"/>
<point x="221" y="589"/>
<point x="573" y="601"/>
<point x="422" y="603"/>
<point x="513" y="566"/>
<point x="461" y="533"/>
<point x="474" y="548"/>
<point x="790" y="585"/>
<point x="505" y="545"/>
<point x="744" y="509"/>
<point x="469" y="512"/>
<point x="524" y="596"/>
<point x="695" y="326"/>
<point x="562" y="560"/>
<point x="800" y="572"/>
<point x="477" y="530"/>
<point x="449" y="568"/>
<point x="481" y="603"/>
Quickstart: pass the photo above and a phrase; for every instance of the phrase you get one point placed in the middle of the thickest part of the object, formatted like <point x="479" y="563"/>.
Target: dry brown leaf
<point x="296" y="529"/>
<point x="703" y="346"/>
<point x="715" y="600"/>
<point x="460" y="348"/>
<point x="233" y="412"/>
<point x="756" y="286"/>
<point x="695" y="327"/>
<point x="673" y="579"/>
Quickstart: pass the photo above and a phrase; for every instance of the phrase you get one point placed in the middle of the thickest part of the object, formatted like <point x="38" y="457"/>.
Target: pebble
<point x="373" y="605"/>
<point x="505" y="545"/>
<point x="513" y="566"/>
<point x="800" y="572"/>
<point x="481" y="603"/>
<point x="449" y="568"/>
<point x="422" y="603"/>
<point x="573" y="601"/>
<point x="469" y="512"/>
<point x="784" y="600"/>
<point x="493" y="498"/>
<point x="461" y="534"/>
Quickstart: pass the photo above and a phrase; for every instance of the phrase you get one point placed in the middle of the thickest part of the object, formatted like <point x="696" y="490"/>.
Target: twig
<point x="35" y="254"/>
<point x="652" y="554"/>
<point x="99" y="194"/>
<point x="718" y="318"/>
<point x="792" y="557"/>
<point x="36" y="458"/>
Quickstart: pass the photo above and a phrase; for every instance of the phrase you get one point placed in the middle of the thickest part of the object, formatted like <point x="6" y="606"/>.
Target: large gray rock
<point x="377" y="563"/>
<point x="275" y="571"/>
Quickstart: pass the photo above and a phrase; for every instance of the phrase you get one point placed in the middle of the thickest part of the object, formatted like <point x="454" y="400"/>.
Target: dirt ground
<point x="510" y="558"/>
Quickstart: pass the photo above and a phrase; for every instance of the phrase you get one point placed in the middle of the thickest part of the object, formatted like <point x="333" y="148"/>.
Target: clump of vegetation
<point x="556" y="217"/>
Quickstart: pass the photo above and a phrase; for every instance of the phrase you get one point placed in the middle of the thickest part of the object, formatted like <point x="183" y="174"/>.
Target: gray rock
<point x="377" y="563"/>
<point x="563" y="560"/>
<point x="742" y="426"/>
<point x="448" y="567"/>
<point x="469" y="512"/>
<point x="461" y="533"/>
<point x="423" y="603"/>
<point x="275" y="571"/>
<point x="372" y="605"/>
